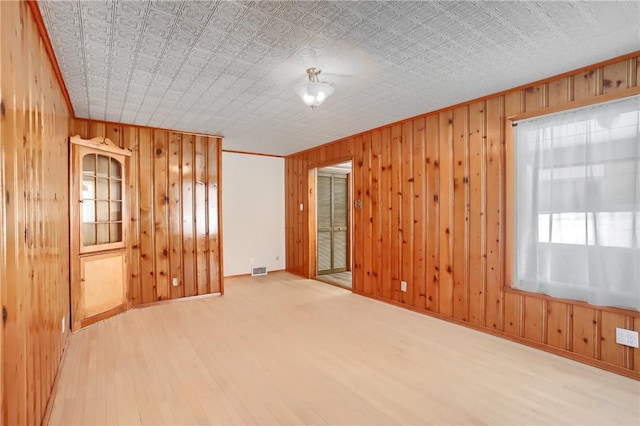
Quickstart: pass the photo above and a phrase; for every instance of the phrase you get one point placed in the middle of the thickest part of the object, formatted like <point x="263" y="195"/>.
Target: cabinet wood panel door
<point x="103" y="283"/>
<point x="99" y="231"/>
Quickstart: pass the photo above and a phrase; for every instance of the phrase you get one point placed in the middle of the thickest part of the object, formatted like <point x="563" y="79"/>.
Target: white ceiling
<point x="228" y="68"/>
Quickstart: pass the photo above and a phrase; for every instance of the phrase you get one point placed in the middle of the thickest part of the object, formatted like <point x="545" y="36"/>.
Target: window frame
<point x="510" y="188"/>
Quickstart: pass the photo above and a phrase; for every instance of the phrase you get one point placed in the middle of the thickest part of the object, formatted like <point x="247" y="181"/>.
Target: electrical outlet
<point x="403" y="286"/>
<point x="627" y="337"/>
<point x="175" y="281"/>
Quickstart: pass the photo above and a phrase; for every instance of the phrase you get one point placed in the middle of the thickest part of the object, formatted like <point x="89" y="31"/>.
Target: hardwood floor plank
<point x="284" y="350"/>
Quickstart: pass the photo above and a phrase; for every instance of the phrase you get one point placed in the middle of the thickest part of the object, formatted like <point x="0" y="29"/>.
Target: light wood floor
<point x="283" y="350"/>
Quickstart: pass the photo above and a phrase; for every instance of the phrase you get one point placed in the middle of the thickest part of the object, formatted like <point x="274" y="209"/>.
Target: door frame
<point x="312" y="231"/>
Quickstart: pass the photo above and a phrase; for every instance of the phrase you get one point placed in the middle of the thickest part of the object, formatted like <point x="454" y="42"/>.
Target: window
<point x="101" y="200"/>
<point x="578" y="204"/>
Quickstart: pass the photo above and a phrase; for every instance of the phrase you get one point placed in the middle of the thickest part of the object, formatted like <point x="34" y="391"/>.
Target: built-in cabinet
<point x="99" y="233"/>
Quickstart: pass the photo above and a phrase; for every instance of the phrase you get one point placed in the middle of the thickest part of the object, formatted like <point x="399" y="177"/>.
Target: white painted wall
<point x="252" y="212"/>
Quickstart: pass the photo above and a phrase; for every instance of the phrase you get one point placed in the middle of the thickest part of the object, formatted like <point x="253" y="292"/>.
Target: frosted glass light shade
<point x="314" y="94"/>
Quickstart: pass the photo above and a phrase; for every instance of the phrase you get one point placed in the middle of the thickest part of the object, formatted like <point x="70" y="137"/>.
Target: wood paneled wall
<point x="175" y="209"/>
<point x="34" y="208"/>
<point x="435" y="213"/>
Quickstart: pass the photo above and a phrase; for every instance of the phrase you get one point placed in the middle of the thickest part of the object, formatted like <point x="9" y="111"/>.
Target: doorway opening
<point x="334" y="224"/>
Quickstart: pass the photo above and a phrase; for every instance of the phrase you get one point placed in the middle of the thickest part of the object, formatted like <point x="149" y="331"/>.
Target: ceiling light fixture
<point x="314" y="93"/>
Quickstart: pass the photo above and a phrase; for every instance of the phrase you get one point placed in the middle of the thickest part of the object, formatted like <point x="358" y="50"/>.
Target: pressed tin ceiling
<point x="229" y="68"/>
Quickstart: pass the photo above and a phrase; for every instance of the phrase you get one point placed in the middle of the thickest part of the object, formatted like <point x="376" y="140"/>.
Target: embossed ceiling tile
<point x="159" y="23"/>
<point x="229" y="9"/>
<point x="368" y="8"/>
<point x="291" y="12"/>
<point x="152" y="44"/>
<point x="240" y="68"/>
<point x="212" y="36"/>
<point x="185" y="33"/>
<point x="314" y="23"/>
<point x="329" y="10"/>
<point x="277" y="27"/>
<point x="97" y="11"/>
<point x="245" y="32"/>
<point x="198" y="11"/>
<point x="146" y="63"/>
<point x="168" y="7"/>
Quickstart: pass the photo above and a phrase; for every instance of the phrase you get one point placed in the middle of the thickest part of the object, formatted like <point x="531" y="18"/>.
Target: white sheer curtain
<point x="578" y="204"/>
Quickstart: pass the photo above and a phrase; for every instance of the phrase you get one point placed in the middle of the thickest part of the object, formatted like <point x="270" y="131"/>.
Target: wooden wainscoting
<point x="435" y="214"/>
<point x="34" y="218"/>
<point x="175" y="207"/>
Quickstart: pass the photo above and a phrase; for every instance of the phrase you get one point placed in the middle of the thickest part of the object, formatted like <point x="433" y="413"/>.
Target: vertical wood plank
<point x="96" y="129"/>
<point x="477" y="214"/>
<point x="634" y="359"/>
<point x="200" y="209"/>
<point x="584" y="331"/>
<point x="584" y="85"/>
<point x="80" y="127"/>
<point x="213" y="200"/>
<point x="494" y="213"/>
<point x="396" y="211"/>
<point x="433" y="213"/>
<point x="386" y="207"/>
<point x="131" y="141"/>
<point x="359" y="176"/>
<point x="534" y="98"/>
<point x="175" y="215"/>
<point x="419" y="216"/>
<point x="460" y="213"/>
<point x="513" y="314"/>
<point x="407" y="234"/>
<point x="615" y="77"/>
<point x="377" y="212"/>
<point x="147" y="228"/>
<point x="188" y="217"/>
<point x="558" y="92"/>
<point x="445" y="153"/>
<point x="610" y="351"/>
<point x="311" y="252"/>
<point x="114" y="133"/>
<point x="533" y="319"/>
<point x="557" y="324"/>
<point x="367" y="216"/>
<point x="161" y="213"/>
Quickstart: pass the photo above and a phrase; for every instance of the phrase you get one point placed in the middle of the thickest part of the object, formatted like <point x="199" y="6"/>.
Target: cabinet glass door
<point x="101" y="198"/>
